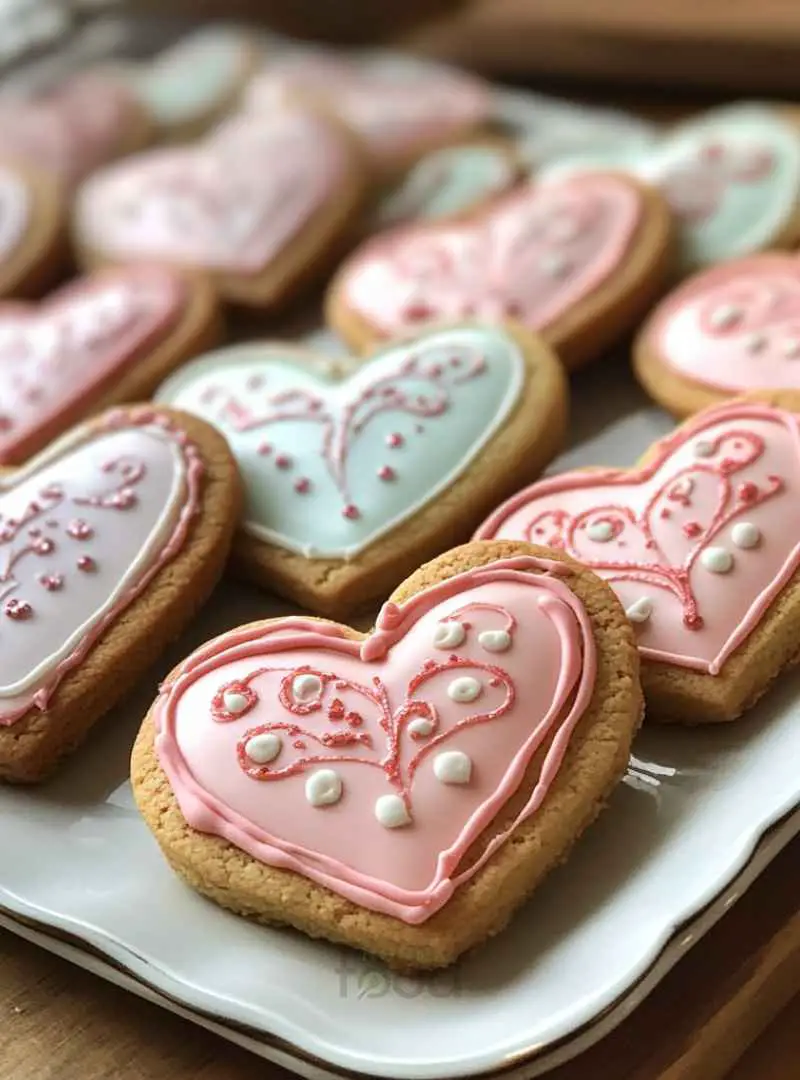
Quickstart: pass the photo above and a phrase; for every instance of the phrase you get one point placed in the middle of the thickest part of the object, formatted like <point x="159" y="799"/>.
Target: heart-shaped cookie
<point x="731" y="177"/>
<point x="88" y="121"/>
<point x="728" y="330"/>
<point x="104" y="339"/>
<point x="31" y="230"/>
<point x="257" y="204"/>
<point x="576" y="259"/>
<point x="109" y="541"/>
<point x="700" y="544"/>
<point x="354" y="475"/>
<point x="399" y="106"/>
<point x="447" y="183"/>
<point x="402" y="791"/>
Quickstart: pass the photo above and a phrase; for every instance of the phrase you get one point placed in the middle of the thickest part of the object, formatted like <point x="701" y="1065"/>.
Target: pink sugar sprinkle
<point x="351" y="512"/>
<point x="386" y="472"/>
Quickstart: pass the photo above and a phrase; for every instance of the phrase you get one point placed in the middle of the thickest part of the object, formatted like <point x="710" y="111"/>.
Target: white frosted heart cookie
<point x="356" y="474"/>
<point x="109" y="542"/>
<point x="258" y="205"/>
<point x="576" y="259"/>
<point x="401" y="791"/>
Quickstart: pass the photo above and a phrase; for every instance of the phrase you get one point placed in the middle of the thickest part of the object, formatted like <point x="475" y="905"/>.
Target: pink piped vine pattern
<point x="695" y="189"/>
<point x="417" y="388"/>
<point x="630" y="537"/>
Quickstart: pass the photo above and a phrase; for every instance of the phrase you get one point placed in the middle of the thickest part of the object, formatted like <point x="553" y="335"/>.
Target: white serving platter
<point x="701" y="813"/>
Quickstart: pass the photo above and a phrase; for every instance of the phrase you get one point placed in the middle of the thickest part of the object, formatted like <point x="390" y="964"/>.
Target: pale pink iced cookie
<point x="32" y="233"/>
<point x="86" y="122"/>
<point x="402" y="791"/>
<point x="104" y="339"/>
<point x="400" y="107"/>
<point x="258" y="205"/>
<point x="700" y="543"/>
<point x="109" y="542"/>
<point x="577" y="259"/>
<point x="726" y="331"/>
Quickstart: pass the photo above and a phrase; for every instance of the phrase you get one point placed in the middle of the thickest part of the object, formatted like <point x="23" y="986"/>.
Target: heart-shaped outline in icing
<point x="92" y="523"/>
<point x="340" y="498"/>
<point x="595" y="247"/>
<point x="733" y="329"/>
<point x="49" y="385"/>
<point x="28" y="264"/>
<point x="722" y="477"/>
<point x="208" y="775"/>
<point x="156" y="205"/>
<point x="708" y="165"/>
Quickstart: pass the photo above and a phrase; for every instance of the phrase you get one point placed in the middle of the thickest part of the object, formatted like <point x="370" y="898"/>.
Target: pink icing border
<point x="658" y="453"/>
<point x="206" y="813"/>
<point x="194" y="472"/>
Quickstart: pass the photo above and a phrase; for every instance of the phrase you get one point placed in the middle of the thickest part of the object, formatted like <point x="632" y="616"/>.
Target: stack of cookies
<point x="400" y="790"/>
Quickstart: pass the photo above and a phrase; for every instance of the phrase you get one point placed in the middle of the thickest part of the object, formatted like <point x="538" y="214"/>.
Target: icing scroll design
<point x="619" y="527"/>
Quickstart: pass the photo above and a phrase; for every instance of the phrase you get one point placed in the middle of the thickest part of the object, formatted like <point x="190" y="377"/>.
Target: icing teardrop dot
<point x="234" y="702"/>
<point x="464" y="689"/>
<point x="391" y="812"/>
<point x="324" y="787"/>
<point x="640" y="610"/>
<point x="449" y="634"/>
<point x="746" y="535"/>
<point x="263" y="748"/>
<point x="452" y="767"/>
<point x="718" y="560"/>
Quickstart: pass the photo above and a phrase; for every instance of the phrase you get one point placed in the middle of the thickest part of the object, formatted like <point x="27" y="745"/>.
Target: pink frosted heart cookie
<point x="700" y="543"/>
<point x="257" y="205"/>
<point x="576" y="259"/>
<point x="31" y="230"/>
<point x="401" y="791"/>
<point x="104" y="339"/>
<point x="729" y="330"/>
<point x="109" y="541"/>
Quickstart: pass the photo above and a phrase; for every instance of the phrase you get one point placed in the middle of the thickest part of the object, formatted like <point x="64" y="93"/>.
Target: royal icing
<point x="530" y="255"/>
<point x="59" y="354"/>
<point x="675" y="555"/>
<point x="735" y="327"/>
<point x="330" y="464"/>
<point x="83" y="529"/>
<point x="232" y="202"/>
<point x="15" y="209"/>
<point x="731" y="176"/>
<point x="409" y="801"/>
<point x="392" y="104"/>
<point x="447" y="182"/>
<point x="70" y="132"/>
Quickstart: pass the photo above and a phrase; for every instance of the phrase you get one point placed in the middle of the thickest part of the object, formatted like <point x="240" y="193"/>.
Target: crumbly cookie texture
<point x="129" y="530"/>
<point x="594" y="761"/>
<point x="579" y="260"/>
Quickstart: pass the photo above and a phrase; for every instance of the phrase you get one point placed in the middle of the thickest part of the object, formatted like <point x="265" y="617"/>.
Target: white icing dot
<point x="755" y="343"/>
<point x="494" y="640"/>
<point x="420" y="725"/>
<point x="685" y="486"/>
<point x="717" y="559"/>
<point x="449" y="635"/>
<point x="745" y="534"/>
<point x="791" y="350"/>
<point x="703" y="448"/>
<point x="390" y="810"/>
<point x="234" y="702"/>
<point x="452" y="767"/>
<point x="306" y="687"/>
<point x="554" y="264"/>
<point x="601" y="531"/>
<point x="640" y="610"/>
<point x="725" y="316"/>
<point x="464" y="689"/>
<point x="263" y="748"/>
<point x="324" y="787"/>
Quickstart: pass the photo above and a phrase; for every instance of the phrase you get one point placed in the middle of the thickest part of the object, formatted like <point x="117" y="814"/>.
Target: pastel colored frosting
<point x="74" y="345"/>
<point x="389" y="823"/>
<point x="697" y="543"/>
<point x="731" y="176"/>
<point x="71" y="131"/>
<point x="83" y="530"/>
<point x="15" y="210"/>
<point x="331" y="464"/>
<point x="447" y="182"/>
<point x="531" y="255"/>
<point x="391" y="104"/>
<point x="735" y="327"/>
<point x="232" y="202"/>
